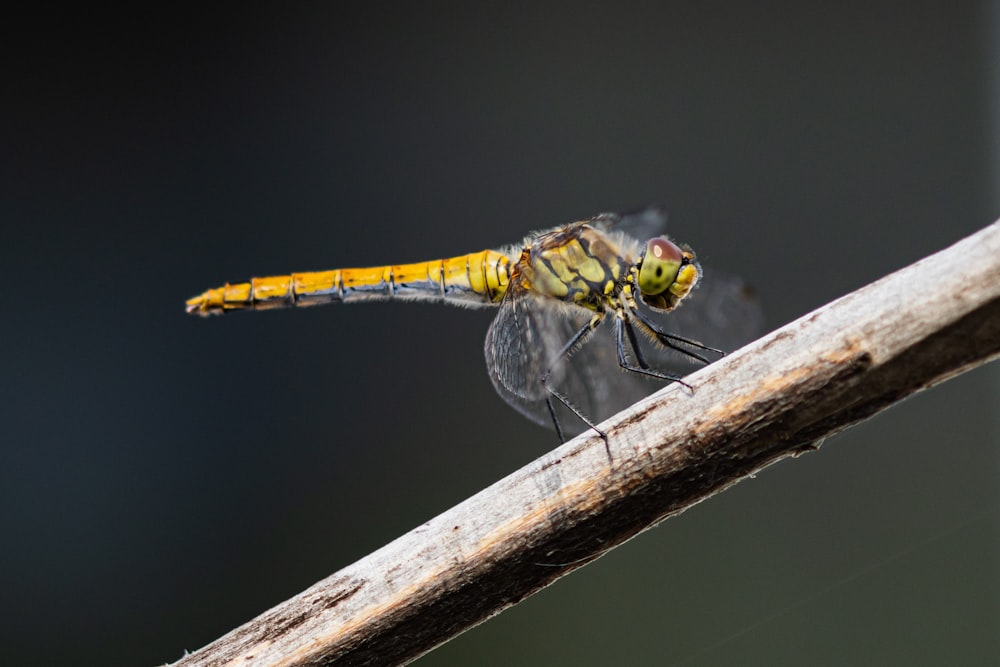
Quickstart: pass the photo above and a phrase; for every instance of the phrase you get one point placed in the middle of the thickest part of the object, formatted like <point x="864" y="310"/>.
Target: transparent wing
<point x="528" y="333"/>
<point x="520" y="346"/>
<point x="523" y="342"/>
<point x="642" y="224"/>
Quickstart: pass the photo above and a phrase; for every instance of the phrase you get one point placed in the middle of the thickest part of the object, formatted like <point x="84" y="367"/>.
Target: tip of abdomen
<point x="210" y="302"/>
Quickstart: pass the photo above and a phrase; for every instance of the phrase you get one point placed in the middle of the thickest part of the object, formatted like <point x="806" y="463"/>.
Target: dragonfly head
<point x="665" y="273"/>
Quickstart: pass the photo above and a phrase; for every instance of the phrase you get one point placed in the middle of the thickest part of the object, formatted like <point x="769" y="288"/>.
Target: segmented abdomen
<point x="476" y="279"/>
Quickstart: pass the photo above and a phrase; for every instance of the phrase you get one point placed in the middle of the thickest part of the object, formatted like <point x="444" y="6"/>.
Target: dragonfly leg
<point x="623" y="329"/>
<point x="578" y="339"/>
<point x="673" y="341"/>
<point x="565" y="401"/>
<point x="620" y="325"/>
<point x="555" y="420"/>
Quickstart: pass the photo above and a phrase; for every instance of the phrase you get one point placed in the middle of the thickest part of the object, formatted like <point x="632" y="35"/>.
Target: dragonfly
<point x="570" y="302"/>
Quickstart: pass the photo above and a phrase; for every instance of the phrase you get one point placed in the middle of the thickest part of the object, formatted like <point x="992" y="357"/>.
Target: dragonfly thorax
<point x="577" y="264"/>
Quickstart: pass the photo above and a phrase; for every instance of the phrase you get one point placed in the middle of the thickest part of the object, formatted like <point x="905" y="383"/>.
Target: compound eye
<point x="660" y="264"/>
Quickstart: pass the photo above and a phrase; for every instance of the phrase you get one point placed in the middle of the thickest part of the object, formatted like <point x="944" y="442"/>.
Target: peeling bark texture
<point x="778" y="397"/>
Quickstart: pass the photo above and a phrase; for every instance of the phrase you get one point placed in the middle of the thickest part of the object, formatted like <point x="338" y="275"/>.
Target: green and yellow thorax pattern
<point x="577" y="265"/>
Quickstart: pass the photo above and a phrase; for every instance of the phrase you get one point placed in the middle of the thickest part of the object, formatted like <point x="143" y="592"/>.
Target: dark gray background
<point x="165" y="479"/>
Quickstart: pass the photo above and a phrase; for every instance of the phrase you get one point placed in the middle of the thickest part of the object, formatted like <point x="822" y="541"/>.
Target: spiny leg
<point x="562" y="398"/>
<point x="555" y="419"/>
<point x="622" y="325"/>
<point x="671" y="340"/>
<point x="579" y="338"/>
<point x="623" y="328"/>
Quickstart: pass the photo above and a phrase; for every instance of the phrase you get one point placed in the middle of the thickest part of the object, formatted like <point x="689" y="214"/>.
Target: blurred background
<point x="164" y="478"/>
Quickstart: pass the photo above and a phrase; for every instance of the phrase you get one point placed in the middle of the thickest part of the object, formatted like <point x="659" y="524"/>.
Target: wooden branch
<point x="775" y="398"/>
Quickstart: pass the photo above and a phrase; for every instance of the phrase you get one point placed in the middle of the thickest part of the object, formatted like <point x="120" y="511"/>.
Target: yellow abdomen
<point x="476" y="279"/>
